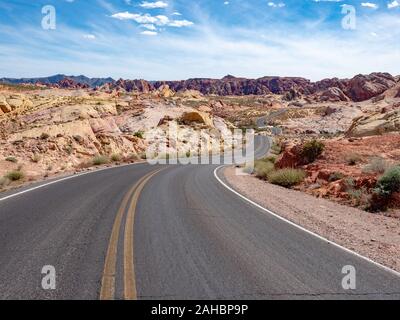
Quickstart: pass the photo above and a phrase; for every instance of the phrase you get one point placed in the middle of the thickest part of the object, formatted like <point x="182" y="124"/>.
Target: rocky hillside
<point x="49" y="131"/>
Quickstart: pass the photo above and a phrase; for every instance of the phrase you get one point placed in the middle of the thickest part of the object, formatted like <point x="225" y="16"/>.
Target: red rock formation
<point x="333" y="94"/>
<point x="230" y="85"/>
<point x="142" y="86"/>
<point x="290" y="158"/>
<point x="398" y="94"/>
<point x="360" y="88"/>
<point x="364" y="87"/>
<point x="71" y="84"/>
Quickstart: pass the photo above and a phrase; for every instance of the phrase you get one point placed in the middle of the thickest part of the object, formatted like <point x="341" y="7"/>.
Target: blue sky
<point x="179" y="39"/>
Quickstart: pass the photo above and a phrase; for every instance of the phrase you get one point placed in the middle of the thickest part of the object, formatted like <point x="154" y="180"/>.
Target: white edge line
<point x="300" y="227"/>
<point x="66" y="178"/>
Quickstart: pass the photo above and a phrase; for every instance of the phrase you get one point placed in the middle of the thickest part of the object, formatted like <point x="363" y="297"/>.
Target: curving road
<point x="167" y="232"/>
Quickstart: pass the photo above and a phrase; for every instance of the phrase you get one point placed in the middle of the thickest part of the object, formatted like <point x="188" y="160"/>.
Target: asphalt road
<point x="135" y="232"/>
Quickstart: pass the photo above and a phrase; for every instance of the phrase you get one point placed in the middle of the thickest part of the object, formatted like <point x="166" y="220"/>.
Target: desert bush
<point x="116" y="157"/>
<point x="44" y="136"/>
<point x="4" y="182"/>
<point x="35" y="158"/>
<point x="14" y="175"/>
<point x="12" y="159"/>
<point x="312" y="150"/>
<point x="69" y="149"/>
<point x="276" y="148"/>
<point x="139" y="134"/>
<point x="132" y="157"/>
<point x="376" y="165"/>
<point x="286" y="177"/>
<point x="336" y="176"/>
<point x="352" y="158"/>
<point x="271" y="159"/>
<point x="263" y="168"/>
<point x="360" y="197"/>
<point x="99" y="160"/>
<point x="389" y="182"/>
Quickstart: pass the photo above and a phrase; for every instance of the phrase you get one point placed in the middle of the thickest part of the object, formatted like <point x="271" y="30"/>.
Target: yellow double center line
<point x="108" y="281"/>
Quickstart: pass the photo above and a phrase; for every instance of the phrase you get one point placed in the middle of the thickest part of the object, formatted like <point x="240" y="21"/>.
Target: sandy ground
<point x="374" y="236"/>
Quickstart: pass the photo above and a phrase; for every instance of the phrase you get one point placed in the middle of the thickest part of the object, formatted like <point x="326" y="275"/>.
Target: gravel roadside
<point x="374" y="236"/>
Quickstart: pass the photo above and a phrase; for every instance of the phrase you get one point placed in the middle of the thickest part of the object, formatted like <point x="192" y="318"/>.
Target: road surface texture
<point x="167" y="232"/>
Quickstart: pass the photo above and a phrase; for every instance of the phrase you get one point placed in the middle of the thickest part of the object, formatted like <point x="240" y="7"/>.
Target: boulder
<point x="290" y="158"/>
<point x="333" y="95"/>
<point x="4" y="106"/>
<point x="197" y="117"/>
<point x="165" y="92"/>
<point x="191" y="94"/>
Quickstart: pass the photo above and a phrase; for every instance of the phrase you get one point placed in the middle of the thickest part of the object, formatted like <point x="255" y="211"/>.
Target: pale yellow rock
<point x="4" y="106"/>
<point x="375" y="124"/>
<point x="197" y="117"/>
<point x="191" y="94"/>
<point x="165" y="91"/>
<point x="15" y="103"/>
<point x="81" y="128"/>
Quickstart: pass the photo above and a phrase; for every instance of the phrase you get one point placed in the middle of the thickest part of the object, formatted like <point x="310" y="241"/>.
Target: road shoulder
<point x="374" y="236"/>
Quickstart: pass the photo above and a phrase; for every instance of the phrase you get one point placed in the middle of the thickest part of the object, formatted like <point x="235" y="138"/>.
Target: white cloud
<point x="149" y="26"/>
<point x="276" y="5"/>
<point x="89" y="36"/>
<point x="146" y="20"/>
<point x="180" y="23"/>
<point x="393" y="4"/>
<point x="142" y="18"/>
<point x="154" y="5"/>
<point x="149" y="33"/>
<point x="369" y="5"/>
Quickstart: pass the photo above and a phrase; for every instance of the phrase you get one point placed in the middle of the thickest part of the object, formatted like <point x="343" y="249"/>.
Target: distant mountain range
<point x="358" y="88"/>
<point x="92" y="82"/>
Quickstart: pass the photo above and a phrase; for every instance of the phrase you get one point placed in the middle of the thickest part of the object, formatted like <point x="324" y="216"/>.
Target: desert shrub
<point x="336" y="176"/>
<point x="139" y="134"/>
<point x="349" y="183"/>
<point x="271" y="159"/>
<point x="276" y="148"/>
<point x="12" y="159"/>
<point x="286" y="177"/>
<point x="69" y="149"/>
<point x="376" y="165"/>
<point x="99" y="160"/>
<point x="143" y="156"/>
<point x="132" y="157"/>
<point x="352" y="158"/>
<point x="389" y="182"/>
<point x="4" y="182"/>
<point x="360" y="197"/>
<point x="248" y="169"/>
<point x="14" y="175"/>
<point x="116" y="157"/>
<point x="44" y="136"/>
<point x="78" y="138"/>
<point x="263" y="168"/>
<point x="35" y="158"/>
<point x="312" y="150"/>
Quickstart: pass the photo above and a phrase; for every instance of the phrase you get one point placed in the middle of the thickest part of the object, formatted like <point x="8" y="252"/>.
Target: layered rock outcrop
<point x="375" y="124"/>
